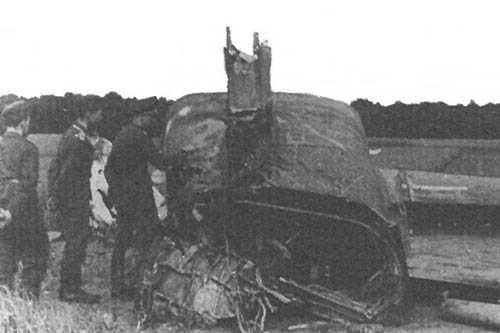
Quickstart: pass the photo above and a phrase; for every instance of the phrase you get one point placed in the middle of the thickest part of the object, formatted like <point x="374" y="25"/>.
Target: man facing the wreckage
<point x="130" y="190"/>
<point x="22" y="234"/>
<point x="69" y="191"/>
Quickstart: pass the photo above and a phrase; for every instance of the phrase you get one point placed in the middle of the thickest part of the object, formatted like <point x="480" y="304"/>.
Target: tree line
<point x="54" y="114"/>
<point x="430" y="120"/>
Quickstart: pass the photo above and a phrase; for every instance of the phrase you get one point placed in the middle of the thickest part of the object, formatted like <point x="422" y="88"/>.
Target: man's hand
<point x="5" y="218"/>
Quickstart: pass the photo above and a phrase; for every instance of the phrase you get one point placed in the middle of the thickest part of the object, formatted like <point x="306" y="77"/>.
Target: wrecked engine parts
<point x="286" y="202"/>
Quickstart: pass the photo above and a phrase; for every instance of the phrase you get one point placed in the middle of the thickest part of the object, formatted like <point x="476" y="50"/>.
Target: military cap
<point x="14" y="113"/>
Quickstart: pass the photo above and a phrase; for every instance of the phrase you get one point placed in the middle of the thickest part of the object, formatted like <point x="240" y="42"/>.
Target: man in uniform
<point x="130" y="189"/>
<point x="22" y="235"/>
<point x="69" y="192"/>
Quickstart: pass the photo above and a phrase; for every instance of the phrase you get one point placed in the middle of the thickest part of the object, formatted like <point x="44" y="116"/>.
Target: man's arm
<point x="29" y="169"/>
<point x="111" y="173"/>
<point x="52" y="175"/>
<point x="55" y="165"/>
<point x="74" y="166"/>
<point x="17" y="192"/>
<point x="154" y="156"/>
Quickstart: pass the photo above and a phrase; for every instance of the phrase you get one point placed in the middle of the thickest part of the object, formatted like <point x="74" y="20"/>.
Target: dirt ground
<point x="423" y="316"/>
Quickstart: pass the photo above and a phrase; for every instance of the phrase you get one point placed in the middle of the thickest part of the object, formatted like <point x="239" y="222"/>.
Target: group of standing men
<point x="22" y="233"/>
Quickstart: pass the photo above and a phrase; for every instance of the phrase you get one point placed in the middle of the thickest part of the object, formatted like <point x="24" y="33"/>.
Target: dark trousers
<point x="132" y="230"/>
<point x="76" y="233"/>
<point x="31" y="249"/>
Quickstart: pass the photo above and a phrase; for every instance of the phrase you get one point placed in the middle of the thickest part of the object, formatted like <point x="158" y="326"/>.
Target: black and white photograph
<point x="249" y="166"/>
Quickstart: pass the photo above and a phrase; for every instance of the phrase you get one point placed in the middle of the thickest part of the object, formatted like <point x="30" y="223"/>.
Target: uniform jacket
<point x="127" y="172"/>
<point x="69" y="172"/>
<point x="19" y="166"/>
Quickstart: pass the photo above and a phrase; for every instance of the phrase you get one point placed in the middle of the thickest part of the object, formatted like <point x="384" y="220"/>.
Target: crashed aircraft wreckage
<point x="277" y="203"/>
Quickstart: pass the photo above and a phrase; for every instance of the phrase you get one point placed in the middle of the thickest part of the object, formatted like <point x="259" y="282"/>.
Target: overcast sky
<point x="411" y="51"/>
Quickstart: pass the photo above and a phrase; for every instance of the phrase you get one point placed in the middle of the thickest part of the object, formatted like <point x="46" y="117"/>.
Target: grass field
<point x="49" y="315"/>
<point x="453" y="156"/>
<point x="21" y="315"/>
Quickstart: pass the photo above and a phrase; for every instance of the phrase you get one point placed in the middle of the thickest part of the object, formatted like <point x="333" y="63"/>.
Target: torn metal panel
<point x="330" y="304"/>
<point x="249" y="78"/>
